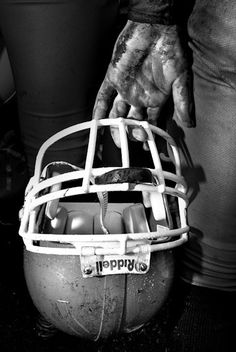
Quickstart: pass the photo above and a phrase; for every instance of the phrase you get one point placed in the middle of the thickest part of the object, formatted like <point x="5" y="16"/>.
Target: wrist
<point x="153" y="12"/>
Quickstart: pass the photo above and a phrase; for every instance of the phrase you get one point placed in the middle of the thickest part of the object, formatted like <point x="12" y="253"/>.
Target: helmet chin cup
<point x="81" y="255"/>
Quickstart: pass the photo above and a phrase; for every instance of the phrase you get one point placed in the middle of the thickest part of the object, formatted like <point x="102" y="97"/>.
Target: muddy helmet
<point x="98" y="266"/>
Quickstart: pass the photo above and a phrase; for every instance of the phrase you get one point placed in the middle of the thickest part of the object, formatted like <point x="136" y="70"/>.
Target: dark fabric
<point x="202" y="320"/>
<point x="151" y="11"/>
<point x="59" y="51"/>
<point x="209" y="258"/>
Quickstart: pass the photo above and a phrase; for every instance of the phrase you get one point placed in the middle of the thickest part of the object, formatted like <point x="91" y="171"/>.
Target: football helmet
<point x="99" y="266"/>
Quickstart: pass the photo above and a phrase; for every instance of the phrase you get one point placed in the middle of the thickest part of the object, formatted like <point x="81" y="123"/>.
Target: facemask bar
<point x="95" y="243"/>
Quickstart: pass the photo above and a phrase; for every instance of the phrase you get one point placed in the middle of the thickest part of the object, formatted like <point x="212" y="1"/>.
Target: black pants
<point x="59" y="51"/>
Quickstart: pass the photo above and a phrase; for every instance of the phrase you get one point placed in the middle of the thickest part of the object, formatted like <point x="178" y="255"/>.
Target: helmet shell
<point x="99" y="306"/>
<point x="96" y="307"/>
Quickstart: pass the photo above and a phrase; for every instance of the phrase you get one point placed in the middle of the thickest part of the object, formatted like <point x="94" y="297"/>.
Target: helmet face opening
<point x="98" y="241"/>
<point x="58" y="219"/>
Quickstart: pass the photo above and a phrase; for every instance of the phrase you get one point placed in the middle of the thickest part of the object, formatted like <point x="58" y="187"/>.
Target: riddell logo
<point x="117" y="264"/>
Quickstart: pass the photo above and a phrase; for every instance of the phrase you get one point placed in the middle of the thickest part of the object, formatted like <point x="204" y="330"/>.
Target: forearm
<point x="152" y="11"/>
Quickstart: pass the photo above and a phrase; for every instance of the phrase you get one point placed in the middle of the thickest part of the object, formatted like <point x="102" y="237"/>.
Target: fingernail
<point x="139" y="134"/>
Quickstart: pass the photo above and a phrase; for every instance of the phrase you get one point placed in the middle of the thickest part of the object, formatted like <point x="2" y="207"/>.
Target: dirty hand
<point x="147" y="66"/>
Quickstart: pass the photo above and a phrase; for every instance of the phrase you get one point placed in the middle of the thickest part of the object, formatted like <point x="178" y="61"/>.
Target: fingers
<point x="153" y="114"/>
<point x="183" y="103"/>
<point x="122" y="109"/>
<point x="104" y="100"/>
<point x="137" y="133"/>
<point x="119" y="109"/>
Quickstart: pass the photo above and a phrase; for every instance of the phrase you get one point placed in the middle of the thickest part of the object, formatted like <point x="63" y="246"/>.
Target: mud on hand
<point x="147" y="66"/>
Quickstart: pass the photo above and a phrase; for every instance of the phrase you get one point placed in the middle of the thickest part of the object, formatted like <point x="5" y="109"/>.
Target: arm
<point x="147" y="66"/>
